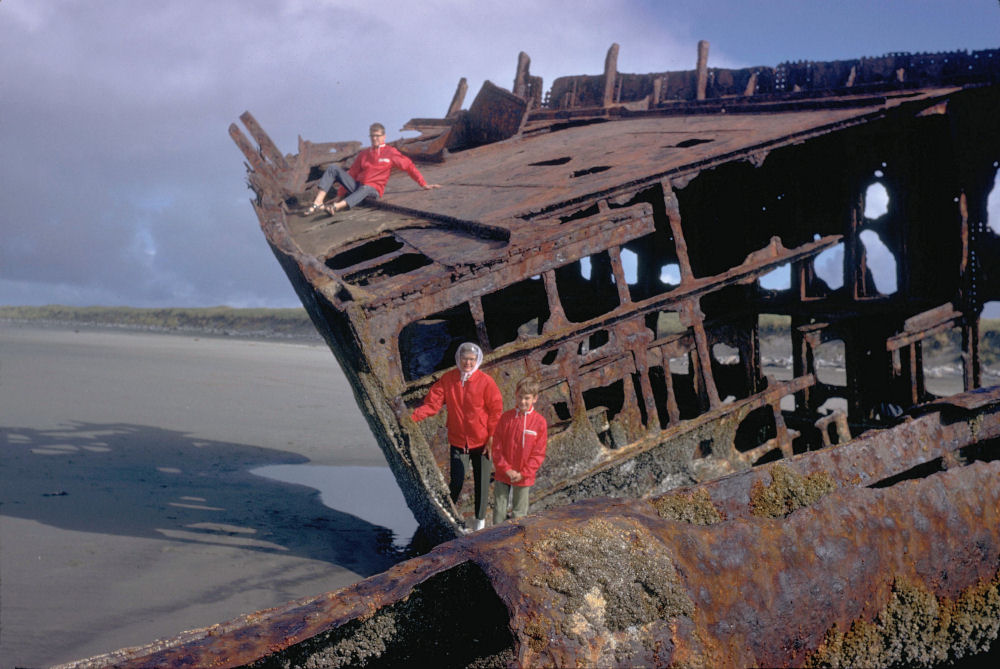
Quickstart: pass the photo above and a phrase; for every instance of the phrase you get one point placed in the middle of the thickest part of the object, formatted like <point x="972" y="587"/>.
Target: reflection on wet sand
<point x="368" y="493"/>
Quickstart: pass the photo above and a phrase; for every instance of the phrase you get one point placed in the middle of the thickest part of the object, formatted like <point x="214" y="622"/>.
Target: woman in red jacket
<point x="474" y="406"/>
<point x="518" y="451"/>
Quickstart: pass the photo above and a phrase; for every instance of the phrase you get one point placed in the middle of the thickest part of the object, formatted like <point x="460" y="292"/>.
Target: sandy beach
<point x="151" y="484"/>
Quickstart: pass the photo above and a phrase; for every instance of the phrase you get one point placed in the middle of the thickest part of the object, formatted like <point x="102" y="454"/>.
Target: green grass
<point x="218" y="320"/>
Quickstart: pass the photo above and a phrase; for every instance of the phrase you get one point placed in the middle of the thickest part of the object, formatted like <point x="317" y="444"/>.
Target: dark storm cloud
<point x="120" y="182"/>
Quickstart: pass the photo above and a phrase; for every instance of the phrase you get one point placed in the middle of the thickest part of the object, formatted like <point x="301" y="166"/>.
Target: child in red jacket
<point x="518" y="451"/>
<point x="474" y="406"/>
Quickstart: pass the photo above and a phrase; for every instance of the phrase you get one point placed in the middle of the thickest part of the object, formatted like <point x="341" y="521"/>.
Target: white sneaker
<point x="478" y="525"/>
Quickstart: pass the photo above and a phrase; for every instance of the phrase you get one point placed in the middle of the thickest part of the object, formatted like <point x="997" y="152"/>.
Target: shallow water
<point x="369" y="493"/>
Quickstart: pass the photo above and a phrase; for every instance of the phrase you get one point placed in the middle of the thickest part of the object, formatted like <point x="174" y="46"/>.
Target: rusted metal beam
<point x="610" y="75"/>
<point x="702" y="70"/>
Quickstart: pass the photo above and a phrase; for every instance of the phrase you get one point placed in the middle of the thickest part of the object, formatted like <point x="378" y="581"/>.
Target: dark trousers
<point x="481" y="470"/>
<point x="356" y="192"/>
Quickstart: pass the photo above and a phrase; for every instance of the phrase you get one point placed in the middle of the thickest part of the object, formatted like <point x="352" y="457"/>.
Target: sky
<point x="119" y="184"/>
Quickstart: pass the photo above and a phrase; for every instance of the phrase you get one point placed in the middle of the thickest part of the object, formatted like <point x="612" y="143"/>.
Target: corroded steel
<point x="842" y="572"/>
<point x="609" y="236"/>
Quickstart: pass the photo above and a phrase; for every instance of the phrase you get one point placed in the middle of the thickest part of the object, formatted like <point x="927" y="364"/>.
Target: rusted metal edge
<point x="657" y="438"/>
<point x="875" y="455"/>
<point x="682" y="294"/>
<point x="746" y="153"/>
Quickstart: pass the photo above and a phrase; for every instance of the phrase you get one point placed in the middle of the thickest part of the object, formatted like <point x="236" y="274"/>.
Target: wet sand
<point x="129" y="506"/>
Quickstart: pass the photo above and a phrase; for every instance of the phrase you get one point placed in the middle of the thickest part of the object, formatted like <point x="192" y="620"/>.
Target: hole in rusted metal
<point x="429" y="344"/>
<point x="592" y="170"/>
<point x="725" y="354"/>
<point x="595" y="341"/>
<point x="833" y="403"/>
<point x="610" y="399"/>
<point x="550" y="357"/>
<point x="694" y="141"/>
<point x="651" y="267"/>
<point x="586" y="297"/>
<point x="683" y="382"/>
<point x="704" y="449"/>
<point x="582" y="213"/>
<point x="830" y="363"/>
<point x="942" y="362"/>
<point x="669" y="323"/>
<point x="757" y="428"/>
<point x="367" y="251"/>
<point x="630" y="265"/>
<point x="730" y="373"/>
<point x="519" y="310"/>
<point x="561" y="410"/>
<point x="921" y="471"/>
<point x="553" y="161"/>
<point x="771" y="456"/>
<point x="661" y="394"/>
<point x="679" y="365"/>
<point x="398" y="265"/>
<point x="780" y="278"/>
<point x="993" y="205"/>
<point x="639" y="404"/>
<point x="876" y="199"/>
<point x="880" y="262"/>
<point x="984" y="451"/>
<point x="670" y="275"/>
<point x="829" y="267"/>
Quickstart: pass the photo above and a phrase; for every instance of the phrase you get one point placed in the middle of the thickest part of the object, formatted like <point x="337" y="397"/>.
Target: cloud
<point x="121" y="185"/>
<point x="125" y="184"/>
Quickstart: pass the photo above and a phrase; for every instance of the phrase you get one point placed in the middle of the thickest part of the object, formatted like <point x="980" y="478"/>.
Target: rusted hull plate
<point x="875" y="456"/>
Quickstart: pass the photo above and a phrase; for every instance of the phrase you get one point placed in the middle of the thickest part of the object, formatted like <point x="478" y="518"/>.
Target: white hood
<point x="468" y="346"/>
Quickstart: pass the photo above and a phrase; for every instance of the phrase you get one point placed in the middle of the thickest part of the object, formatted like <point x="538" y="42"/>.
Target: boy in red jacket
<point x="474" y="406"/>
<point x="518" y="451"/>
<point x="368" y="174"/>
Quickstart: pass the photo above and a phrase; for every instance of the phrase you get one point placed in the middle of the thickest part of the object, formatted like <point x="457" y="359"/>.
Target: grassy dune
<point x="280" y="323"/>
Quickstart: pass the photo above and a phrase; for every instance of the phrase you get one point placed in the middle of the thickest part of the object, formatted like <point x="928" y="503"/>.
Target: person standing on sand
<point x="474" y="405"/>
<point x="367" y="176"/>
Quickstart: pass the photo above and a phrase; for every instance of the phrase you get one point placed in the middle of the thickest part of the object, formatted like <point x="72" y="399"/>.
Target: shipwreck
<point x="617" y="236"/>
<point x="609" y="236"/>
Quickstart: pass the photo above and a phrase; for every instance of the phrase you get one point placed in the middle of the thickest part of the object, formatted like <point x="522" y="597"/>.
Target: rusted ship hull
<point x="808" y="561"/>
<point x="610" y="236"/>
<point x="610" y="239"/>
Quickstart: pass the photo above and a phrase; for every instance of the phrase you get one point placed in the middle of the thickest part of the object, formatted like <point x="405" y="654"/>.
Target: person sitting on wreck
<point x="518" y="451"/>
<point x="474" y="405"/>
<point x="367" y="176"/>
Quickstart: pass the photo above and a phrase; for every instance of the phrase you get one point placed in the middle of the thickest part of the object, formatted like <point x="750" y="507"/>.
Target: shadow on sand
<point x="150" y="482"/>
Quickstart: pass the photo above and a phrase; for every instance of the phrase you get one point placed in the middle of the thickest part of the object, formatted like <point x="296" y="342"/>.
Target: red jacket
<point x="519" y="444"/>
<point x="473" y="407"/>
<point x="372" y="167"/>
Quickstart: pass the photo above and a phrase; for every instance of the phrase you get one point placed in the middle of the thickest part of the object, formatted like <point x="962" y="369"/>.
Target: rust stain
<point x="614" y="236"/>
<point x="610" y="237"/>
